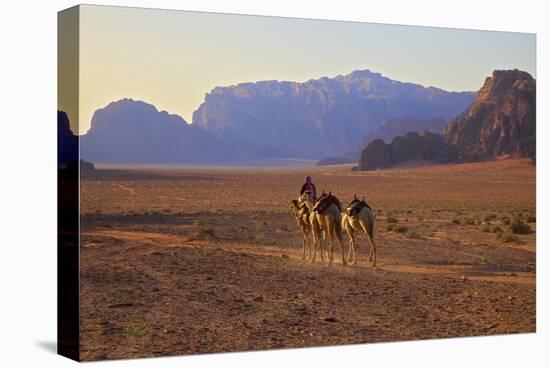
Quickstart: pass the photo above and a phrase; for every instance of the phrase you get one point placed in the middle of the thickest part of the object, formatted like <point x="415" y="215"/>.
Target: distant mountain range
<point x="129" y="131"/>
<point x="327" y="117"/>
<point x="319" y="118"/>
<point x="500" y="122"/>
<point x="265" y="120"/>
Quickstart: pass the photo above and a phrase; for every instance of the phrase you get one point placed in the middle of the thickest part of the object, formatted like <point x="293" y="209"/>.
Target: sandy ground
<point x="200" y="260"/>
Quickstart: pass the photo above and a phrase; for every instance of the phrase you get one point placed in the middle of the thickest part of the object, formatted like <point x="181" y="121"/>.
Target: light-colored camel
<point x="329" y="214"/>
<point x="302" y="218"/>
<point x="359" y="217"/>
<point x="314" y="219"/>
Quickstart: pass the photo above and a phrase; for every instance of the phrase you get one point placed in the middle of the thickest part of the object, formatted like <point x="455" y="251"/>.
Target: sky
<point x="173" y="58"/>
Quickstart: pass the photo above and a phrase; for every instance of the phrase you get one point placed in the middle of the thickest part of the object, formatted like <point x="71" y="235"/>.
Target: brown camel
<point x="358" y="216"/>
<point x="329" y="212"/>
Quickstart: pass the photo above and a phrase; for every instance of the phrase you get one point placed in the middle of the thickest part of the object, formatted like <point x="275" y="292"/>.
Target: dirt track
<point x="197" y="261"/>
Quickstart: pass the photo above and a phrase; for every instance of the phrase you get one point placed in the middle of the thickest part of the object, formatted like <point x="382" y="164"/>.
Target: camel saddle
<point x="356" y="206"/>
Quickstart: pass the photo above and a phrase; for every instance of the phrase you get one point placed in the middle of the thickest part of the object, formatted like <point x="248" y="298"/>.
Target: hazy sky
<point x="172" y="58"/>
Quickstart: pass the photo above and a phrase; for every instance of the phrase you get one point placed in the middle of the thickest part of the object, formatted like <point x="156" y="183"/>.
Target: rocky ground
<point x="208" y="260"/>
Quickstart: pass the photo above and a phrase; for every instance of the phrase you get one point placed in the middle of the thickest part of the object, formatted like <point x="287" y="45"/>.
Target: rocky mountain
<point x="501" y="121"/>
<point x="424" y="146"/>
<point x="129" y="131"/>
<point x="67" y="142"/>
<point x="392" y="128"/>
<point x="318" y="118"/>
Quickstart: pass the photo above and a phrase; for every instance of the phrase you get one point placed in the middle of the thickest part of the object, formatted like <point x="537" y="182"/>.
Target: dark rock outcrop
<point x="392" y="128"/>
<point x="67" y="142"/>
<point x="500" y="122"/>
<point x="376" y="155"/>
<point x="424" y="146"/>
<point x="318" y="118"/>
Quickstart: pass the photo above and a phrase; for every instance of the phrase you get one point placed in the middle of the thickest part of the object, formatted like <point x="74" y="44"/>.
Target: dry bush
<point x="519" y="227"/>
<point x="485" y="229"/>
<point x="469" y="221"/>
<point x="401" y="229"/>
<point x="489" y="217"/>
<point x="391" y="219"/>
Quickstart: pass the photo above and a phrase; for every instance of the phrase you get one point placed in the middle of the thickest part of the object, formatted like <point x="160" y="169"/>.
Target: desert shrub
<point x="505" y="220"/>
<point x="455" y="221"/>
<point x="519" y="227"/>
<point x="135" y="331"/>
<point x="413" y="235"/>
<point x="485" y="229"/>
<point x="401" y="229"/>
<point x="489" y="217"/>
<point x="496" y="229"/>
<point x="390" y="227"/>
<point x="409" y="211"/>
<point x="205" y="232"/>
<point x="391" y="219"/>
<point x="468" y="222"/>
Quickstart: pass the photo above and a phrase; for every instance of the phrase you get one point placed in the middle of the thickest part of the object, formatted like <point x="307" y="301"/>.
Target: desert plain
<point x="187" y="260"/>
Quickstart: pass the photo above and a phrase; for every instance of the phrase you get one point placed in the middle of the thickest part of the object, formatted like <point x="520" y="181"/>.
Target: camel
<point x="302" y="218"/>
<point x="306" y="201"/>
<point x="329" y="215"/>
<point x="358" y="216"/>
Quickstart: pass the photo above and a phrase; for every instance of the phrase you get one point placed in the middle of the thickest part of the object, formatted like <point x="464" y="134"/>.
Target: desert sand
<point x="204" y="259"/>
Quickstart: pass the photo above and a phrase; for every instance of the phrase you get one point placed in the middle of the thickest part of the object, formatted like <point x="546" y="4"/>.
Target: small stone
<point x="258" y="299"/>
<point x="330" y="319"/>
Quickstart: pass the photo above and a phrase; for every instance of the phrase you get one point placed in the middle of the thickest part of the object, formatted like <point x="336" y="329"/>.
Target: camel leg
<point x="344" y="262"/>
<point x="351" y="253"/>
<point x="372" y="252"/>
<point x="339" y="235"/>
<point x="331" y="248"/>
<point x="314" y="250"/>
<point x="322" y="245"/>
<point x="305" y="244"/>
<point x="372" y="255"/>
<point x="369" y="231"/>
<point x="317" y="242"/>
<point x="353" y="260"/>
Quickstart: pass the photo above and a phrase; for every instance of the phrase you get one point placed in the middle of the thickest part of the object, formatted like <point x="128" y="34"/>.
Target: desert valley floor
<point x="200" y="260"/>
